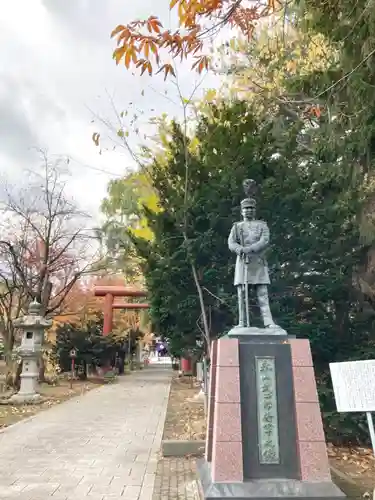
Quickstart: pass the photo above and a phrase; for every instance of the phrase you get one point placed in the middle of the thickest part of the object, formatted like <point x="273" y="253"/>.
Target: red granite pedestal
<point x="232" y="468"/>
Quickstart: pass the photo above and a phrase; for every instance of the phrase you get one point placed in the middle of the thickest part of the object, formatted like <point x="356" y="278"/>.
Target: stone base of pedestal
<point x="265" y="436"/>
<point x="265" y="489"/>
<point x="19" y="399"/>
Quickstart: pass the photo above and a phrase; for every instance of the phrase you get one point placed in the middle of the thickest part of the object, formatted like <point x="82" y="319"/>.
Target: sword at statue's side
<point x="246" y="261"/>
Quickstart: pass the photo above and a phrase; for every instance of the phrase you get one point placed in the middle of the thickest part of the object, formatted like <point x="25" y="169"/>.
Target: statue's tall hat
<point x="250" y="189"/>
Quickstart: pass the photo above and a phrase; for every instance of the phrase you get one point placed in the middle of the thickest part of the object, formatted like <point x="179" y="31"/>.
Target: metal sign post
<point x="371" y="429"/>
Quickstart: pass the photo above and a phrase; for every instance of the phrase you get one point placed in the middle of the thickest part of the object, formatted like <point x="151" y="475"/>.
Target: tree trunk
<point x="8" y="347"/>
<point x="206" y="328"/>
<point x="11" y="365"/>
<point x="43" y="299"/>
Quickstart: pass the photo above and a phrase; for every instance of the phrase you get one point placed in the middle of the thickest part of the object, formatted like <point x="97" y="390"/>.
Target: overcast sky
<point x="56" y="68"/>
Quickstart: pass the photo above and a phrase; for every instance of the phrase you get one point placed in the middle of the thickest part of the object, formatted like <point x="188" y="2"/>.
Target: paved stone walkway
<point x="101" y="446"/>
<point x="176" y="478"/>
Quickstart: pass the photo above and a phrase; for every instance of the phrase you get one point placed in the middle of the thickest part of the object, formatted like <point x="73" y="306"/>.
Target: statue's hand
<point x="240" y="251"/>
<point x="247" y="250"/>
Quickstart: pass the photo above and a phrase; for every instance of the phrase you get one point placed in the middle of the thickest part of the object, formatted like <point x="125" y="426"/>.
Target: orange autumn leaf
<point x="146" y="49"/>
<point x="153" y="24"/>
<point x="168" y="69"/>
<point x="146" y="66"/>
<point x="117" y="30"/>
<point x="118" y="54"/>
<point x="128" y="56"/>
<point x="147" y="38"/>
<point x="125" y="35"/>
<point x="313" y="110"/>
<point x="316" y="111"/>
<point x="201" y="63"/>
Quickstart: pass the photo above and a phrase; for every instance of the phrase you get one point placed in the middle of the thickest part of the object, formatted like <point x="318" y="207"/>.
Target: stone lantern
<point x="33" y="326"/>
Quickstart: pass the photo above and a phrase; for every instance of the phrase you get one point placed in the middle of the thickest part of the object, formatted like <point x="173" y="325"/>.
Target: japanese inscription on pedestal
<point x="268" y="427"/>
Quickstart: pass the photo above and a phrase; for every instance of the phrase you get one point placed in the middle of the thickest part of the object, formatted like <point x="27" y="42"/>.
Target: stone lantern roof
<point x="33" y="318"/>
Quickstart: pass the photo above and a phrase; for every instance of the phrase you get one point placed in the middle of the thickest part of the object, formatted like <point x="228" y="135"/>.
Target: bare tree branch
<point x="46" y="246"/>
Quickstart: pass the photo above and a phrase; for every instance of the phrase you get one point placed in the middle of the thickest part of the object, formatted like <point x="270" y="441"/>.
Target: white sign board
<point x="354" y="385"/>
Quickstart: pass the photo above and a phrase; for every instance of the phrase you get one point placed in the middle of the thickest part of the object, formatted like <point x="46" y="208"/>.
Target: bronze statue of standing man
<point x="249" y="239"/>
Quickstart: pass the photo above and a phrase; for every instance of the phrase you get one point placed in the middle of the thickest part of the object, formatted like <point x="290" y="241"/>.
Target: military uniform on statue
<point x="265" y="435"/>
<point x="249" y="240"/>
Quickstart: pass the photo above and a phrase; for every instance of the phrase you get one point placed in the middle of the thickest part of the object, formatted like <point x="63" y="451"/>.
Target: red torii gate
<point x="109" y="292"/>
